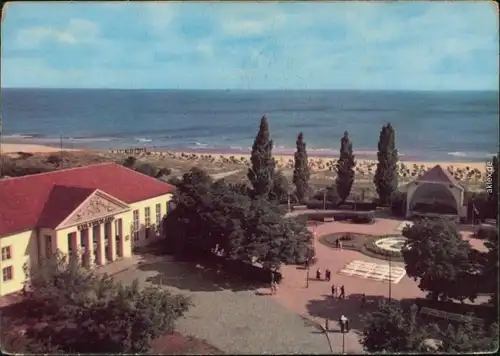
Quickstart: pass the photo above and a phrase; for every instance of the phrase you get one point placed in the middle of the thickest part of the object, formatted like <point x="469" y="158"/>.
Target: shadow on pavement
<point x="351" y="307"/>
<point x="195" y="277"/>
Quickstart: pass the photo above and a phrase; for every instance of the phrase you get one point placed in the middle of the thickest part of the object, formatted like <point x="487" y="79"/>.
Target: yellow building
<point x="95" y="214"/>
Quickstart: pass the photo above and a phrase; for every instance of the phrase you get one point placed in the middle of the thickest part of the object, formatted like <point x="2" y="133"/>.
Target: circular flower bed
<point x="366" y="244"/>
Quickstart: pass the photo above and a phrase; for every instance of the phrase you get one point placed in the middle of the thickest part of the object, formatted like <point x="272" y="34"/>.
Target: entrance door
<point x="95" y="239"/>
<point x="107" y="241"/>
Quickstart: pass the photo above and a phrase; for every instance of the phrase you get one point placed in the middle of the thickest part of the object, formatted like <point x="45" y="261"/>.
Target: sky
<point x="339" y="45"/>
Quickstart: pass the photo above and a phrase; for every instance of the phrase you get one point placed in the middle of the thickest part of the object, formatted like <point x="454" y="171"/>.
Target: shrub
<point x="347" y="237"/>
<point x="363" y="218"/>
<point x="485" y="232"/>
<point x="319" y="204"/>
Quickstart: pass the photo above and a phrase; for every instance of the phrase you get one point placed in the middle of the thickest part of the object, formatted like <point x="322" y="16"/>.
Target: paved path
<point x="233" y="321"/>
<point x="222" y="175"/>
<point x="315" y="300"/>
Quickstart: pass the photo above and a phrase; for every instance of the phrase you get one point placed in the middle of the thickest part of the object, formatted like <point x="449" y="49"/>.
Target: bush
<point x="486" y="232"/>
<point x="398" y="204"/>
<point x="347" y="237"/>
<point x="319" y="204"/>
<point x="363" y="218"/>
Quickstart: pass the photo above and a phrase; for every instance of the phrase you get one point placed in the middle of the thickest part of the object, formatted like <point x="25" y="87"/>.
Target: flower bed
<point x="363" y="243"/>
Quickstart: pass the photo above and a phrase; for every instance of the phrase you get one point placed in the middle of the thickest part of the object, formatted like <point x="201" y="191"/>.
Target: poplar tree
<point x="345" y="168"/>
<point x="386" y="176"/>
<point x="261" y="172"/>
<point x="301" y="173"/>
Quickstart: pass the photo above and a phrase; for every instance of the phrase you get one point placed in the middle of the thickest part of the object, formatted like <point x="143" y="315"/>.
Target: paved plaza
<point x="236" y="319"/>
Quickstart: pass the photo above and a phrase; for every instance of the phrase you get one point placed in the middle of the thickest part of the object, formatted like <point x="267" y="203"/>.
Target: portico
<point x="94" y="231"/>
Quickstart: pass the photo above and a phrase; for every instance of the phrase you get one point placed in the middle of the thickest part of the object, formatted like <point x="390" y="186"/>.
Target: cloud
<point x="77" y="31"/>
<point x="420" y="45"/>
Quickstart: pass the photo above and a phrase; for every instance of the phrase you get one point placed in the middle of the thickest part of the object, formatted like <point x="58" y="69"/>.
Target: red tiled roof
<point x="26" y="202"/>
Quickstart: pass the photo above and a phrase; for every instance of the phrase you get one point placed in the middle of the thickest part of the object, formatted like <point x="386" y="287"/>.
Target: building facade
<point x="95" y="215"/>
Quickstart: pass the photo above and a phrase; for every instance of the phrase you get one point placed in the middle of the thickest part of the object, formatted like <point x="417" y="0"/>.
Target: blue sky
<point x="403" y="45"/>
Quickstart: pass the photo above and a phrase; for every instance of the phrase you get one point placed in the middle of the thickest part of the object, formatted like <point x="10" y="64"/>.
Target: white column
<point x="101" y="248"/>
<point x="112" y="241"/>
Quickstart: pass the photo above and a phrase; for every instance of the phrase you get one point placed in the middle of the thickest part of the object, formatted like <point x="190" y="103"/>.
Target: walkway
<point x="315" y="300"/>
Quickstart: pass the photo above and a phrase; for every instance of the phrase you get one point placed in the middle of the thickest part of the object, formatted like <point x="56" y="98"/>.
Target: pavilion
<point x="435" y="193"/>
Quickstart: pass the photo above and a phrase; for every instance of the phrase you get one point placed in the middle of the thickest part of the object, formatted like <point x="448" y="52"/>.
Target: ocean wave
<point x="22" y="136"/>
<point x="143" y="139"/>
<point x="90" y="139"/>
<point x="471" y="154"/>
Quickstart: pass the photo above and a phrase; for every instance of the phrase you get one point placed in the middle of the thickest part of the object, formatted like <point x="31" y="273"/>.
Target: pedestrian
<point x="337" y="243"/>
<point x="328" y="274"/>
<point x="307" y="264"/>
<point x="318" y="274"/>
<point x="343" y="323"/>
<point x="334" y="291"/>
<point x="346" y="325"/>
<point x="340" y="245"/>
<point x="363" y="300"/>
<point x="342" y="293"/>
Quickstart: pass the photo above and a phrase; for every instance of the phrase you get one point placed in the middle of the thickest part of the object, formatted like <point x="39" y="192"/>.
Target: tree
<point x="129" y="162"/>
<point x="386" y="176"/>
<point x="261" y="173"/>
<point x="76" y="305"/>
<point x="301" y="172"/>
<point x="490" y="267"/>
<point x="390" y="329"/>
<point x="345" y="168"/>
<point x="250" y="230"/>
<point x="436" y="254"/>
<point x="467" y="337"/>
<point x="280" y="188"/>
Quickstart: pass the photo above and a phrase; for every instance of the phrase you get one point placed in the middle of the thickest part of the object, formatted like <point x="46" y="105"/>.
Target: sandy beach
<point x="464" y="171"/>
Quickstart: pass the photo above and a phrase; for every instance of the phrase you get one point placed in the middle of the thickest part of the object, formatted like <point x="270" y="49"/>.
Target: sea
<point x="430" y="126"/>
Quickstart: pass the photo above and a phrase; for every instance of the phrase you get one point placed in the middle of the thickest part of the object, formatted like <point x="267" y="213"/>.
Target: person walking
<point x="318" y="274"/>
<point x="328" y="274"/>
<point x="343" y="323"/>
<point x="342" y="293"/>
<point x="334" y="291"/>
<point x="363" y="300"/>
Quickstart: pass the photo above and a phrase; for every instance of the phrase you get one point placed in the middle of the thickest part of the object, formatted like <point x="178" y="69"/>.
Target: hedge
<point x="359" y="217"/>
<point x="348" y="205"/>
<point x="486" y="232"/>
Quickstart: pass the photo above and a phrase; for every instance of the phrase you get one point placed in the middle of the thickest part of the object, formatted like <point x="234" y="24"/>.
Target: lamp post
<point x="307" y="275"/>
<point x="390" y="276"/>
<point x="343" y="342"/>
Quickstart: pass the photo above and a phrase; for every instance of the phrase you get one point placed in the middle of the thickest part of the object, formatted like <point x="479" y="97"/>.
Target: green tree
<point x="250" y="230"/>
<point x="345" y="168"/>
<point x="129" y="162"/>
<point x="386" y="176"/>
<point x="489" y="279"/>
<point x="468" y="337"/>
<point x="261" y="173"/>
<point x="76" y="305"/>
<point x="280" y="188"/>
<point x="436" y="254"/>
<point x="301" y="172"/>
<point x="390" y="329"/>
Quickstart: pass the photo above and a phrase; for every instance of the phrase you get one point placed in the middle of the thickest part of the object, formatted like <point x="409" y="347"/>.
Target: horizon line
<point x="251" y="89"/>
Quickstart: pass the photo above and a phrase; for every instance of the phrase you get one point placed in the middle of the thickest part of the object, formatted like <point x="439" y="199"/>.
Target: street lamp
<point x="343" y="342"/>
<point x="307" y="275"/>
<point x="390" y="276"/>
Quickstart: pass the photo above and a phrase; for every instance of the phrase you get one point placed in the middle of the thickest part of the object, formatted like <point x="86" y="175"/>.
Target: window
<point x="6" y="253"/>
<point x="135" y="226"/>
<point x="7" y="273"/>
<point x="158" y="214"/>
<point x="147" y="216"/>
<point x="48" y="245"/>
